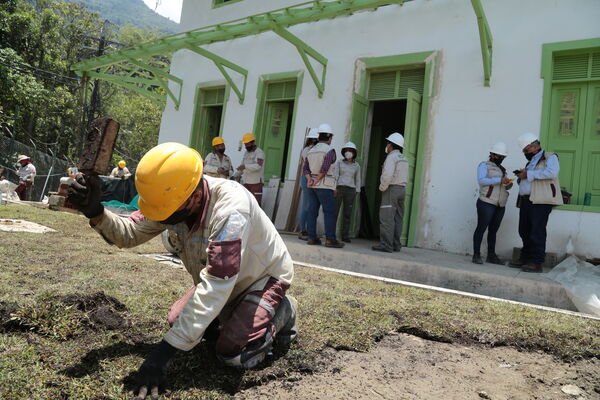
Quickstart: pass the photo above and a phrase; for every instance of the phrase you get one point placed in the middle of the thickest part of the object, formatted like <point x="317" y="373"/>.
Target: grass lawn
<point x="52" y="346"/>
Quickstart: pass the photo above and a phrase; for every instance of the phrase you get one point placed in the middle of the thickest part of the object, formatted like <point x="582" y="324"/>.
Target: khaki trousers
<point x="391" y="214"/>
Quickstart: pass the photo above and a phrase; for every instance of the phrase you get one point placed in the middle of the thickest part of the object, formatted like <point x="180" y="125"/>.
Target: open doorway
<point x="387" y="117"/>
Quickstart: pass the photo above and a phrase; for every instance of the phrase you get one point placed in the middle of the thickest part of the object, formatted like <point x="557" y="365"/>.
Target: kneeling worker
<point x="240" y="266"/>
<point x="394" y="177"/>
<point x="218" y="164"/>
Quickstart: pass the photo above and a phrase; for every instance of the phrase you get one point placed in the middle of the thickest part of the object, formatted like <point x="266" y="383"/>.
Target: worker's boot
<point x="532" y="267"/>
<point x="492" y="258"/>
<point x="379" y="247"/>
<point x="334" y="243"/>
<point x="285" y="321"/>
<point x="477" y="259"/>
<point x="517" y="264"/>
<point x="303" y="235"/>
<point x="314" y="242"/>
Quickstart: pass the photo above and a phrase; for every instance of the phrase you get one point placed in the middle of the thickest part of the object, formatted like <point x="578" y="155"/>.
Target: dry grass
<point x="51" y="351"/>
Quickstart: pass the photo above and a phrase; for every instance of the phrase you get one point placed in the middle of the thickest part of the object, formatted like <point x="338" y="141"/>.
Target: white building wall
<point x="466" y="118"/>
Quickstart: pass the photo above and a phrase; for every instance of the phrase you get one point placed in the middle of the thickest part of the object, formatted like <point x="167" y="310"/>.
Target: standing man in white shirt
<point x="394" y="177"/>
<point x="347" y="174"/>
<point x="252" y="168"/>
<point x="539" y="191"/>
<point x="26" y="173"/>
<point x="218" y="164"/>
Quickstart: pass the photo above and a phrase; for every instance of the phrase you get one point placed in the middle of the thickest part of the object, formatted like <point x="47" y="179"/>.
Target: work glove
<point x="85" y="194"/>
<point x="151" y="374"/>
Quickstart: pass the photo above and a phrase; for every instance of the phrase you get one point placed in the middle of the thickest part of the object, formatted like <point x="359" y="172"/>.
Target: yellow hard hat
<point x="122" y="164"/>
<point x="247" y="138"/>
<point x="216" y="141"/>
<point x="165" y="178"/>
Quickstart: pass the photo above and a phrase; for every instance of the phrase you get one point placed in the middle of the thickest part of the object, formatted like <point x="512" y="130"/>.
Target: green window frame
<point x="209" y="95"/>
<point x="570" y="122"/>
<point x="221" y="3"/>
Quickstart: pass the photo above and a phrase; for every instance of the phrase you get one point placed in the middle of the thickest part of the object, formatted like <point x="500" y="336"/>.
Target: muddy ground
<point x="404" y="366"/>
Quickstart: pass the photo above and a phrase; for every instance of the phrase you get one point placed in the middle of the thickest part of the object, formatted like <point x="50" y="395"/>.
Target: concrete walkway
<point x="435" y="268"/>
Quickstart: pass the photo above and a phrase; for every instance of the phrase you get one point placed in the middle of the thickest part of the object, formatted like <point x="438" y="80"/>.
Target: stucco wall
<point x="466" y="118"/>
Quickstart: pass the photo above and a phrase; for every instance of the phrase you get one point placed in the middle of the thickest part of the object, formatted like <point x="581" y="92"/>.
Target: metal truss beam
<point x="305" y="50"/>
<point x="485" y="37"/>
<point x="221" y="63"/>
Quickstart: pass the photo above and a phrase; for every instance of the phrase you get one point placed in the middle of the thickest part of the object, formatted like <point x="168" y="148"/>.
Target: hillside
<point x="134" y="12"/>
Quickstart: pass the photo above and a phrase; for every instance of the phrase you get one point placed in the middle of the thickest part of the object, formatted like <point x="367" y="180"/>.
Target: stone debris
<point x="19" y="225"/>
<point x="572" y="390"/>
<point x="484" y="395"/>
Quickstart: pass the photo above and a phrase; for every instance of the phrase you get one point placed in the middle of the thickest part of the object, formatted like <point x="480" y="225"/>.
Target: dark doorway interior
<point x="388" y="117"/>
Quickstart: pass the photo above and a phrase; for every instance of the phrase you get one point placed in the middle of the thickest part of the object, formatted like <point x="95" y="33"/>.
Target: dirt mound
<point x="63" y="317"/>
<point x="90" y="302"/>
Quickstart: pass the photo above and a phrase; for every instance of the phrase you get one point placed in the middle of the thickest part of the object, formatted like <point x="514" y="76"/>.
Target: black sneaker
<point x="494" y="259"/>
<point x="334" y="243"/>
<point x="517" y="264"/>
<point x="477" y="259"/>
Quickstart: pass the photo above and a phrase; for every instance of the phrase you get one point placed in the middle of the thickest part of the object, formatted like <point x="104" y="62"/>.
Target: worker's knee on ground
<point x="281" y="330"/>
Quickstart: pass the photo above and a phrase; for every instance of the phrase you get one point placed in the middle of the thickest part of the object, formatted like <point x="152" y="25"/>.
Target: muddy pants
<point x="24" y="190"/>
<point x="256" y="189"/>
<point x="345" y="195"/>
<point x="248" y="323"/>
<point x="391" y="214"/>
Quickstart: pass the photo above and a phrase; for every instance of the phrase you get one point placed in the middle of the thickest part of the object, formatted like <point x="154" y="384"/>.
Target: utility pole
<point x="95" y="99"/>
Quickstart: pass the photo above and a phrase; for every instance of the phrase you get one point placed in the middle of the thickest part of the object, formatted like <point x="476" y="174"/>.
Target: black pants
<point x="345" y="196"/>
<point x="489" y="217"/>
<point x="533" y="219"/>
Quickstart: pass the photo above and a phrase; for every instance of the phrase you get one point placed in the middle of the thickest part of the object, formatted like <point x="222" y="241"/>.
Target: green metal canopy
<point x="142" y="68"/>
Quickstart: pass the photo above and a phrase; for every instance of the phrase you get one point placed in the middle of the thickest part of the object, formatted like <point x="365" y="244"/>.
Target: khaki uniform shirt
<point x="232" y="249"/>
<point x="395" y="170"/>
<point x="26" y="173"/>
<point x="120" y="172"/>
<point x="254" y="162"/>
<point x="213" y="162"/>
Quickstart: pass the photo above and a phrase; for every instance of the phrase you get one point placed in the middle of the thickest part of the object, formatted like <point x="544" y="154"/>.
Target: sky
<point x="167" y="8"/>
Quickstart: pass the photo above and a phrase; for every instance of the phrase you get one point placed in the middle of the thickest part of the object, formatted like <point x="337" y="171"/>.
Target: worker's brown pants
<point x="23" y="190"/>
<point x="247" y="323"/>
<point x="256" y="189"/>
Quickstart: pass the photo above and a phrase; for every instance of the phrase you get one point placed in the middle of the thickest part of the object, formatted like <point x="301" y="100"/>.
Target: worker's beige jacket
<point x="235" y="249"/>
<point x="395" y="170"/>
<point x="254" y="163"/>
<point x="212" y="163"/>
<point x="497" y="194"/>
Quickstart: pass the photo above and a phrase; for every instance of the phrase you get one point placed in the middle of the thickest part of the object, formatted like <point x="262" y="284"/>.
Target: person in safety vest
<point x="26" y="172"/>
<point x="120" y="171"/>
<point x="392" y="184"/>
<point x="311" y="139"/>
<point x="493" y="194"/>
<point x="252" y="167"/>
<point x="218" y="164"/>
<point x="539" y="191"/>
<point x="318" y="170"/>
<point x="239" y="264"/>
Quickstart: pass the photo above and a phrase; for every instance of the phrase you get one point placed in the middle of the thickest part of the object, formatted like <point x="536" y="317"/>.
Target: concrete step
<point x="435" y="268"/>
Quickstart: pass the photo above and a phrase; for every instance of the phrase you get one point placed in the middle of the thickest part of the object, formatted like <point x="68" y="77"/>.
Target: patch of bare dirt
<point x="20" y="225"/>
<point x="404" y="366"/>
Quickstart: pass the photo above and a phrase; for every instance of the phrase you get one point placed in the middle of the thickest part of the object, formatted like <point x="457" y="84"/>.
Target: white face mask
<point x="387" y="149"/>
<point x="348" y="155"/>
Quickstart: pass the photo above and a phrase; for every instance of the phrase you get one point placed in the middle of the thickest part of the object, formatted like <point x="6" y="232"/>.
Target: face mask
<point x="529" y="156"/>
<point x="497" y="161"/>
<point x="387" y="149"/>
<point x="177" y="217"/>
<point x="222" y="151"/>
<point x="249" y="148"/>
<point x="348" y="155"/>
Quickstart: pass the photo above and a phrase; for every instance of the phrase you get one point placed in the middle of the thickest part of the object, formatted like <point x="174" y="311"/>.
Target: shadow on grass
<point x="196" y="369"/>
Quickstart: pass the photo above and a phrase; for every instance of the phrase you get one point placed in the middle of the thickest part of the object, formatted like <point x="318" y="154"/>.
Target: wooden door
<point x="411" y="139"/>
<point x="274" y="139"/>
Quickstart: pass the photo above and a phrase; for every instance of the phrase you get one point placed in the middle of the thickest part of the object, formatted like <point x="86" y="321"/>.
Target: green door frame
<point x="261" y="103"/>
<point x="428" y="59"/>
<point x="197" y="114"/>
<point x="548" y="51"/>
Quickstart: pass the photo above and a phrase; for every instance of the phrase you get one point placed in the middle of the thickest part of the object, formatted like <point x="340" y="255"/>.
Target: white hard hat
<point x="500" y="149"/>
<point x="325" y="128"/>
<point x="349" y="145"/>
<point x="22" y="157"/>
<point x="396" y="138"/>
<point x="312" y="134"/>
<point x="527" y="138"/>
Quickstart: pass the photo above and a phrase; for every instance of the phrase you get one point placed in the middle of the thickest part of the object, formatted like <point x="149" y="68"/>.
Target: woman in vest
<point x="347" y="174"/>
<point x="493" y="194"/>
